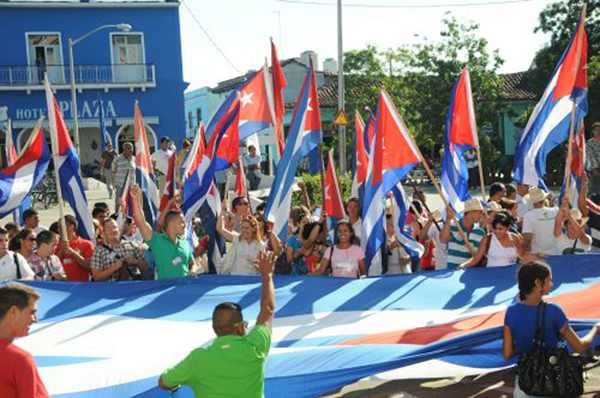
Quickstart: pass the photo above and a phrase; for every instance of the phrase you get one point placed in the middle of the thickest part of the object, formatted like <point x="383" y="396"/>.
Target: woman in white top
<point x="346" y="259"/>
<point x="568" y="230"/>
<point x="245" y="247"/>
<point x="500" y="246"/>
<point x="398" y="260"/>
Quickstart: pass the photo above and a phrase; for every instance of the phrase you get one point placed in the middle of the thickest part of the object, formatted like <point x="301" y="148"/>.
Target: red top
<point x="19" y="377"/>
<point x="74" y="272"/>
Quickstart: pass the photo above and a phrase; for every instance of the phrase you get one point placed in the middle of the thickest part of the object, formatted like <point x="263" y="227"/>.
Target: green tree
<point x="421" y="77"/>
<point x="559" y="20"/>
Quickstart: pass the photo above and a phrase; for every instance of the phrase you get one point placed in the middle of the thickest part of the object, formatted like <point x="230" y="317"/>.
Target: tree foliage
<point x="421" y="77"/>
<point x="559" y="20"/>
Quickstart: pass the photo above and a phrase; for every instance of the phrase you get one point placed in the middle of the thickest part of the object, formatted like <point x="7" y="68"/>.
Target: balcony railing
<point x="85" y="75"/>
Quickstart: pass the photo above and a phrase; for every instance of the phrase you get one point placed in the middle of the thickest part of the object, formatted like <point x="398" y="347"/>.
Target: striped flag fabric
<point x="240" y="181"/>
<point x="304" y="136"/>
<point x="361" y="159"/>
<point x="328" y="332"/>
<point x="550" y="122"/>
<point x="393" y="155"/>
<point x="209" y="214"/>
<point x="257" y="111"/>
<point x="460" y="136"/>
<point x="400" y="206"/>
<point x="144" y="171"/>
<point x="576" y="168"/>
<point x="279" y="83"/>
<point x="11" y="152"/>
<point x="169" y="188"/>
<point x="68" y="167"/>
<point x="19" y="179"/>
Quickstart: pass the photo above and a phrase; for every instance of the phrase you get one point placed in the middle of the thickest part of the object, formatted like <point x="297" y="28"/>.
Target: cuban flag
<point x="393" y="156"/>
<point x="460" y="137"/>
<point x="66" y="162"/>
<point x="257" y="111"/>
<point x="304" y="136"/>
<point x="400" y="206"/>
<point x="11" y="152"/>
<point x="550" y="122"/>
<point x="209" y="214"/>
<point x="328" y="332"/>
<point x="200" y="175"/>
<point x="279" y="83"/>
<point x="169" y="188"/>
<point x="361" y="159"/>
<point x="240" y="182"/>
<point x="334" y="206"/>
<point x="104" y="136"/>
<point x="20" y="178"/>
<point x="144" y="171"/>
<point x="575" y="169"/>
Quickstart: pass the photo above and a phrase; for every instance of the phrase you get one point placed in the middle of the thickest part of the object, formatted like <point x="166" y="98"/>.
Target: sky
<point x="242" y="28"/>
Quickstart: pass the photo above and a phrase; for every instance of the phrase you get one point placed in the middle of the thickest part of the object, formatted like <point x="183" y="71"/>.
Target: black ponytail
<point x="530" y="272"/>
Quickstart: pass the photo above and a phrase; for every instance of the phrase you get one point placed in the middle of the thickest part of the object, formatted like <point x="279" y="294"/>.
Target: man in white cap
<point x="538" y="225"/>
<point x="458" y="251"/>
<point x="568" y="230"/>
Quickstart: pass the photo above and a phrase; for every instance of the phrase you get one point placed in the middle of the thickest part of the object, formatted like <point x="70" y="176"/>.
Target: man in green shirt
<point x="173" y="255"/>
<point x="234" y="364"/>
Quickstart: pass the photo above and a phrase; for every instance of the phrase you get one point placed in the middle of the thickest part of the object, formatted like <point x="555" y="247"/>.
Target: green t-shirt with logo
<point x="232" y="366"/>
<point x="171" y="258"/>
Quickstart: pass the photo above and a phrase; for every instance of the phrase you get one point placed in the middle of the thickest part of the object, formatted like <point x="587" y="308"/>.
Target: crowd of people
<point x="515" y="223"/>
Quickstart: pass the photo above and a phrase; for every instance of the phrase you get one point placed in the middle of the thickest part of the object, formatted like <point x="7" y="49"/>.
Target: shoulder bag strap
<point x="19" y="276"/>
<point x="574" y="245"/>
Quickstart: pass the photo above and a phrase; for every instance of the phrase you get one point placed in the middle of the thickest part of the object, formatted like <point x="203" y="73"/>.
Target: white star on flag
<point x="308" y="108"/>
<point x="246" y="98"/>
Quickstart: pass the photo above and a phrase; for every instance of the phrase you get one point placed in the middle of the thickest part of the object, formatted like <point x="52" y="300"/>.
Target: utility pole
<point x="341" y="102"/>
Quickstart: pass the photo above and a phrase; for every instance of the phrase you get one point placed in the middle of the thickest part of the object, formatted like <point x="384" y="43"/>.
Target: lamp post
<point x="123" y="27"/>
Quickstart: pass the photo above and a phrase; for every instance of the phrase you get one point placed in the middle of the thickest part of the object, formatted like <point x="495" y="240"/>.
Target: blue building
<point x="118" y="65"/>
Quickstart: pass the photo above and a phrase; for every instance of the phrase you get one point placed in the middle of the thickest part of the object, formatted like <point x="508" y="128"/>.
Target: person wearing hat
<point x="160" y="160"/>
<point x="538" y="225"/>
<point x="432" y="232"/>
<point x="458" y="251"/>
<point x="568" y="231"/>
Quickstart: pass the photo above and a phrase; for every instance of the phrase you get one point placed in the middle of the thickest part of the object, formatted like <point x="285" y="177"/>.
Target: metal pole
<point x="341" y="129"/>
<point x="73" y="98"/>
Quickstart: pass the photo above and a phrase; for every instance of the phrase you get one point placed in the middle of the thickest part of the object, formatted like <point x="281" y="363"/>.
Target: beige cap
<point x="536" y="195"/>
<point x="577" y="216"/>
<point x="473" y="204"/>
<point x="494" y="206"/>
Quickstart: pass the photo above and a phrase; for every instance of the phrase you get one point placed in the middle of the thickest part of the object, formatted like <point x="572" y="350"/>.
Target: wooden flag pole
<point x="574" y="107"/>
<point x="481" y="180"/>
<point x="432" y="178"/>
<point x="227" y="177"/>
<point x="322" y="173"/>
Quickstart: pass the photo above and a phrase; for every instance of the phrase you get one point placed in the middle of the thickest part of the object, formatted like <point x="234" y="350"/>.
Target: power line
<point x="210" y="38"/>
<point x="357" y="5"/>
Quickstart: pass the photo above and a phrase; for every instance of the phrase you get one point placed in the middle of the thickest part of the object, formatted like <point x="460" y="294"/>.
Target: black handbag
<point x="543" y="372"/>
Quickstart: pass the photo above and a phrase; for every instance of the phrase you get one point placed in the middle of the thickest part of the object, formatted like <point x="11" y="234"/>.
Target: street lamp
<point x="122" y="27"/>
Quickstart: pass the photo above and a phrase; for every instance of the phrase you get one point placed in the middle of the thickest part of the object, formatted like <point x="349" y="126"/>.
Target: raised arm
<point x="266" y="265"/>
<point x="224" y="232"/>
<point x="582" y="202"/>
<point x="563" y="214"/>
<point x="138" y="213"/>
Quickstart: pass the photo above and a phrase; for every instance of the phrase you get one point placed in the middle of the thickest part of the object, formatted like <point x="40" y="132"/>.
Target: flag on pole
<point x="305" y="135"/>
<point x="169" y="188"/>
<point x="19" y="179"/>
<point x="240" y="181"/>
<point x="575" y="169"/>
<point x="393" y="155"/>
<point x="104" y="136"/>
<point x="200" y="175"/>
<point x="550" y="122"/>
<point x="279" y="83"/>
<point x="401" y="204"/>
<point x="361" y="159"/>
<point x="460" y="137"/>
<point x="68" y="168"/>
<point x="334" y="205"/>
<point x="144" y="171"/>
<point x="256" y="104"/>
<point x="11" y="152"/>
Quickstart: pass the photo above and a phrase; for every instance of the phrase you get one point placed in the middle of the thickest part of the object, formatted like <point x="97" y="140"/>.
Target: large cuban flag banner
<point x="550" y="122"/>
<point x="115" y="339"/>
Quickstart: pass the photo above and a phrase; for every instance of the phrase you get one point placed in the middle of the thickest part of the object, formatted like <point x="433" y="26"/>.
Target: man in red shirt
<point x="18" y="310"/>
<point x="77" y="256"/>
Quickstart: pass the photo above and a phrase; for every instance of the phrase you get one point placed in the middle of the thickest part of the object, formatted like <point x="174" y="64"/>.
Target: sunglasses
<point x="31" y="239"/>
